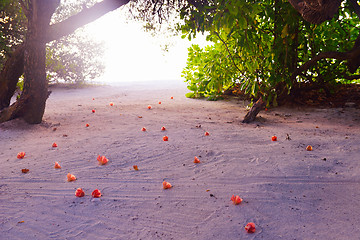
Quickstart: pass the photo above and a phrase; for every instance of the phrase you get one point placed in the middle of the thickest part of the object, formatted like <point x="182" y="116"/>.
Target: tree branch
<point x="84" y="17"/>
<point x="320" y="56"/>
<point x="231" y="57"/>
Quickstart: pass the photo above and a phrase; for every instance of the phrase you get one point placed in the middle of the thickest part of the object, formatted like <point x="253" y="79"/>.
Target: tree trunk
<point x="255" y="109"/>
<point x="10" y="74"/>
<point x="30" y="57"/>
<point x="31" y="105"/>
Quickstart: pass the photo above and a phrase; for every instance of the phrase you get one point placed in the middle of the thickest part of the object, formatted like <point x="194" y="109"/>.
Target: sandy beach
<point x="287" y="191"/>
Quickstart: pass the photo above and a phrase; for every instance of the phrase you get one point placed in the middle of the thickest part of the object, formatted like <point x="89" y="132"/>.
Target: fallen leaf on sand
<point x="196" y="160"/>
<point x="136" y="168"/>
<point x="21" y="221"/>
<point x="54" y="145"/>
<point x="139" y="116"/>
<point x="20" y="155"/>
<point x="167" y="185"/>
<point x="274" y="138"/>
<point x="70" y="177"/>
<point x="250" y="227"/>
<point x="57" y="165"/>
<point x="309" y="148"/>
<point x="79" y="192"/>
<point x="102" y="160"/>
<point x="236" y="199"/>
<point x="96" y="193"/>
<point x="25" y="170"/>
<point x="165" y="138"/>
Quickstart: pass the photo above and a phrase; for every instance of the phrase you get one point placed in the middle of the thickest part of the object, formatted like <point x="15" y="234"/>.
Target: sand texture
<point x="287" y="191"/>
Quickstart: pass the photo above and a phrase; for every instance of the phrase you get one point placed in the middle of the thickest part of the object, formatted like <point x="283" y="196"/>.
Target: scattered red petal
<point x="196" y="160"/>
<point x="171" y="97"/>
<point x="20" y="155"/>
<point x="274" y="138"/>
<point x="136" y="168"/>
<point x="87" y="125"/>
<point x="149" y="107"/>
<point x="250" y="227"/>
<point x="96" y="193"/>
<point x="93" y="111"/>
<point x="143" y="129"/>
<point x="93" y="98"/>
<point x="111" y="104"/>
<point x="236" y="199"/>
<point x="207" y="133"/>
<point x="163" y="128"/>
<point x="102" y="160"/>
<point x="167" y="185"/>
<point x="57" y="165"/>
<point x="25" y="170"/>
<point x="54" y="145"/>
<point x="309" y="148"/>
<point x="79" y="192"/>
<point x="165" y="138"/>
<point x="71" y="177"/>
<point x="159" y="102"/>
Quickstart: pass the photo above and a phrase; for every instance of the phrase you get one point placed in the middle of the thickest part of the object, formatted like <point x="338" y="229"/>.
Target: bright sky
<point x="134" y="55"/>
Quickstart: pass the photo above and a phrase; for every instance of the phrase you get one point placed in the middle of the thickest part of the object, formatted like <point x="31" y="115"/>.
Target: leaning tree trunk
<point x="10" y="74"/>
<point x="31" y="105"/>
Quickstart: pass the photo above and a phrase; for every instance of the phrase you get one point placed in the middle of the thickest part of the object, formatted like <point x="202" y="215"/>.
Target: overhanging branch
<point x="84" y="17"/>
<point x="320" y="56"/>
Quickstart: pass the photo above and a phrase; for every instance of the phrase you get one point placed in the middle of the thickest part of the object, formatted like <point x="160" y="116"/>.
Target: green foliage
<point x="12" y="27"/>
<point x="74" y="58"/>
<point x="259" y="45"/>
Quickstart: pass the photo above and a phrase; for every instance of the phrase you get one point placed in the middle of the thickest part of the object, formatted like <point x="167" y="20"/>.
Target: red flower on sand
<point x="57" y="165"/>
<point x="163" y="128"/>
<point x="93" y="111"/>
<point x="71" y="177"/>
<point x="165" y="138"/>
<point x="136" y="168"/>
<point x="143" y="129"/>
<point x="79" y="192"/>
<point x="96" y="193"/>
<point x="159" y="102"/>
<point x="309" y="148"/>
<point x="196" y="160"/>
<point x="20" y="155"/>
<point x="149" y="107"/>
<point x="167" y="185"/>
<point x="111" y="104"/>
<point x="250" y="227"/>
<point x="207" y="133"/>
<point x="274" y="138"/>
<point x="236" y="199"/>
<point x="54" y="145"/>
<point x="102" y="160"/>
<point x="87" y="125"/>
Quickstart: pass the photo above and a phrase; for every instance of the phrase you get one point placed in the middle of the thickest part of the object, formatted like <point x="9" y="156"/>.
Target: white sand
<point x="288" y="192"/>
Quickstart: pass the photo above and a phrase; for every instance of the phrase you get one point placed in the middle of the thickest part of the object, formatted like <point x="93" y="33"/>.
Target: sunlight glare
<point x="134" y="55"/>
